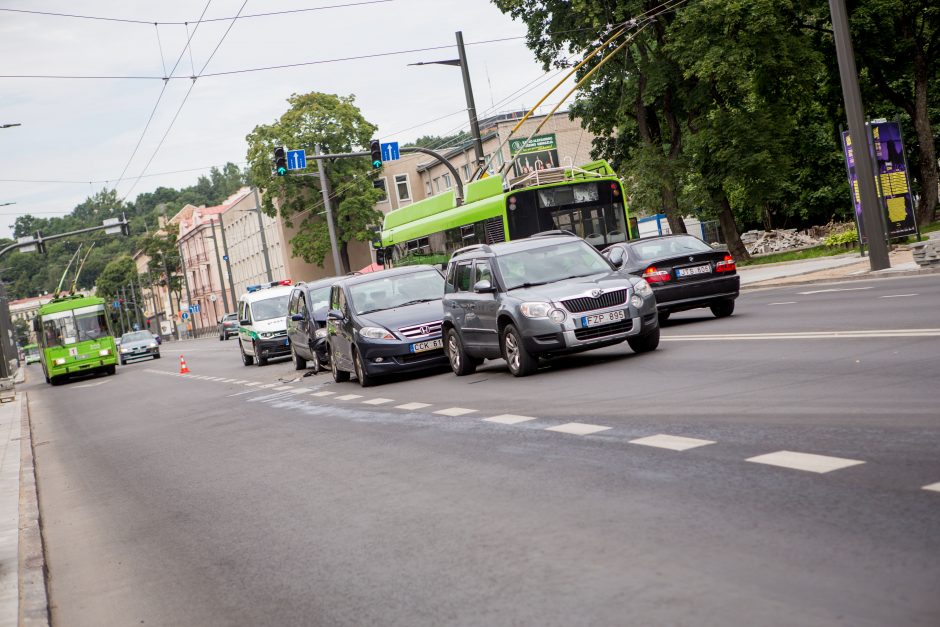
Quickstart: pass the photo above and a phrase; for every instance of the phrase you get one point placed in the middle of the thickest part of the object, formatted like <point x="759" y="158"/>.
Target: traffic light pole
<point x="228" y="264"/>
<point x="264" y="239"/>
<point x="338" y="266"/>
<point x="471" y="105"/>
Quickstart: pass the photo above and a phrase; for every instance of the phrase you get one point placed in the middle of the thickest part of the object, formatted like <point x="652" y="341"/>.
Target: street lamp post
<point x="228" y="264"/>
<point x="461" y="62"/>
<point x="218" y="260"/>
<point x="264" y="239"/>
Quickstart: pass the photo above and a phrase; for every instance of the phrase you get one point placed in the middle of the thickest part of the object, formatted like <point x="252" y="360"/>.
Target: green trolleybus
<point x="587" y="201"/>
<point x="75" y="336"/>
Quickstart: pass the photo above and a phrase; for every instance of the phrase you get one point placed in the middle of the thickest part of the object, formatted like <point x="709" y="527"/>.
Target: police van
<point x="262" y="322"/>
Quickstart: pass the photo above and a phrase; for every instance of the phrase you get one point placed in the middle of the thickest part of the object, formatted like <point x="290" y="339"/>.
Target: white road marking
<point x="348" y="397"/>
<point x="897" y="295"/>
<point x="509" y="419"/>
<point x="413" y="406"/>
<point x="283" y="388"/>
<point x="378" y="401"/>
<point x="787" y="302"/>
<point x="90" y="385"/>
<point x="578" y="428"/>
<point x="837" y="289"/>
<point x="268" y="385"/>
<point x="251" y="383"/>
<point x="453" y="412"/>
<point x="934" y="487"/>
<point x="807" y="335"/>
<point x="299" y="391"/>
<point x="672" y="442"/>
<point x="323" y="393"/>
<point x="805" y="461"/>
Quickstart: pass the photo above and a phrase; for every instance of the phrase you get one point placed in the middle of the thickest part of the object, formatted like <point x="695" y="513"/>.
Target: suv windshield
<point x="270" y="308"/>
<point x="397" y="291"/>
<point x="551" y="263"/>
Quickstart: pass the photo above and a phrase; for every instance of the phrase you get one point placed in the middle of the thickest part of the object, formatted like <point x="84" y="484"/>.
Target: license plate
<point x="421" y="347"/>
<point x="705" y="269"/>
<point x="592" y="320"/>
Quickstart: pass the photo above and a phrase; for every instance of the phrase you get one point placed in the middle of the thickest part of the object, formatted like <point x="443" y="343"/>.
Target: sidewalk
<point x="846" y="266"/>
<point x="9" y="510"/>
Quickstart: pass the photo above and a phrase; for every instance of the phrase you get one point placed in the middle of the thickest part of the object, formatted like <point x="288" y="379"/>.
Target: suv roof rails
<point x="466" y="249"/>
<point x="553" y="233"/>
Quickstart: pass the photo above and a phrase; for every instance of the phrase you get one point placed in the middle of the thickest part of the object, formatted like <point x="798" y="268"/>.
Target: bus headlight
<point x="104" y="352"/>
<point x="60" y="361"/>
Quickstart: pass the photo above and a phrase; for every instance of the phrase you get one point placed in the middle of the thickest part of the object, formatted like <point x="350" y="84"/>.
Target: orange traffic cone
<point x="183" y="368"/>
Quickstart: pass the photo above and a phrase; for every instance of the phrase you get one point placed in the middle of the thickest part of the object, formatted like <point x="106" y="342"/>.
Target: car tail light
<point x="727" y="265"/>
<point x="652" y="275"/>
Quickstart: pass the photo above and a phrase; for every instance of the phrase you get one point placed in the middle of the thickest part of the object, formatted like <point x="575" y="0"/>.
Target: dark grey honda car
<point x="550" y="294"/>
<point x="385" y="322"/>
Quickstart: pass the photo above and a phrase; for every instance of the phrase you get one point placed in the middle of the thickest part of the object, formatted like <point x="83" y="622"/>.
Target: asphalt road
<point x="235" y="496"/>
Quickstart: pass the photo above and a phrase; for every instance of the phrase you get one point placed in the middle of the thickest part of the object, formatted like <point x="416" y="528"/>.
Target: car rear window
<point x="668" y="247"/>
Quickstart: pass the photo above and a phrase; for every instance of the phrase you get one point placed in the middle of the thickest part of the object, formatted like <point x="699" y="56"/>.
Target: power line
<point x="199" y="21"/>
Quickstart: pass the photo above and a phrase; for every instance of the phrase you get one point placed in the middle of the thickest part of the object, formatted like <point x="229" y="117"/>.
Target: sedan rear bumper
<point x="700" y="293"/>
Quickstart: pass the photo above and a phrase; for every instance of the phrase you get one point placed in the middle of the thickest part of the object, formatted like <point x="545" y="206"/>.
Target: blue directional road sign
<point x="194" y="308"/>
<point x="296" y="160"/>
<point x="390" y="151"/>
<point x="184" y="315"/>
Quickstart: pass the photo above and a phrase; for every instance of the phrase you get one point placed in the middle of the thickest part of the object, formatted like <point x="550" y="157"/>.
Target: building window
<point x="447" y="183"/>
<point x="402" y="187"/>
<point x="427" y="186"/>
<point x="466" y="172"/>
<point x="381" y="184"/>
<point x="437" y="185"/>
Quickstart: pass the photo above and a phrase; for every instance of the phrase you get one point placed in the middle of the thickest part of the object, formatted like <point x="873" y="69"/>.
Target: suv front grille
<point x="587" y="303"/>
<point x="591" y="333"/>
<point x="421" y="330"/>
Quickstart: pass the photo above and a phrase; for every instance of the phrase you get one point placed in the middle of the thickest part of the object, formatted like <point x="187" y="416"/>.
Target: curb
<point x="33" y="596"/>
<point x="868" y="276"/>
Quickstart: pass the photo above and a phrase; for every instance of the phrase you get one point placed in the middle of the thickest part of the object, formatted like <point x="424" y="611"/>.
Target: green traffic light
<point x="376" y="164"/>
<point x="282" y="171"/>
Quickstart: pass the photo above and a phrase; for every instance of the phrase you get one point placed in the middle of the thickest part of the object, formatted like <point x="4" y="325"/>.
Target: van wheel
<point x="259" y="360"/>
<point x="364" y="379"/>
<point x="315" y="364"/>
<point x="461" y="363"/>
<point x="246" y="358"/>
<point x="521" y="362"/>
<point x="299" y="363"/>
<point x="340" y="376"/>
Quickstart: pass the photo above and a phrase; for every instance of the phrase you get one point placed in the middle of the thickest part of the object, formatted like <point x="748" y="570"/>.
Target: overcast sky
<point x="86" y="130"/>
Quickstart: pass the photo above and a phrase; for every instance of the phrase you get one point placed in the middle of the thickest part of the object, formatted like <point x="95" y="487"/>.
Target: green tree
<point x="119" y="273"/>
<point x="338" y="126"/>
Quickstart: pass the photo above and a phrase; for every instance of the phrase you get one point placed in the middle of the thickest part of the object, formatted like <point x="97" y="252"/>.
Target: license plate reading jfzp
<point x="421" y="347"/>
<point x="592" y="320"/>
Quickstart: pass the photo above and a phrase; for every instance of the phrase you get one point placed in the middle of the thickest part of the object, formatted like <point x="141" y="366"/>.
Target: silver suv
<point x="546" y="295"/>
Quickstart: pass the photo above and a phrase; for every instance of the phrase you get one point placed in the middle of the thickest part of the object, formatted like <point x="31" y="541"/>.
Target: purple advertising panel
<point x="892" y="183"/>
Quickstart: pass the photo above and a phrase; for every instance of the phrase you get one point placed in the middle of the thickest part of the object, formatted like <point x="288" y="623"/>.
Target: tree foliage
<point x="337" y="125"/>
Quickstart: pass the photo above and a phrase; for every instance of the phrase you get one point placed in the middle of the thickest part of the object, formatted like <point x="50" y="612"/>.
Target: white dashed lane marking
<point x="378" y="401"/>
<point x="788" y="302"/>
<point x="671" y="442"/>
<point x="933" y="487"/>
<point x="348" y="397"/>
<point x="268" y="385"/>
<point x="455" y="411"/>
<point x="805" y="461"/>
<point x="284" y="388"/>
<point x="323" y="393"/>
<point x="578" y="428"/>
<point x="413" y="406"/>
<point x="298" y="391"/>
<point x="897" y="295"/>
<point x="509" y="419"/>
<point x="836" y="289"/>
<point x="252" y="383"/>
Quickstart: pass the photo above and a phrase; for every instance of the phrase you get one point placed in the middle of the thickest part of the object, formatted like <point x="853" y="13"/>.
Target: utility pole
<point x="264" y="239"/>
<point x="848" y="74"/>
<point x="189" y="297"/>
<point x="218" y="260"/>
<point x="169" y="294"/>
<point x="228" y="265"/>
<point x="338" y="266"/>
<point x="137" y="310"/>
<point x="471" y="105"/>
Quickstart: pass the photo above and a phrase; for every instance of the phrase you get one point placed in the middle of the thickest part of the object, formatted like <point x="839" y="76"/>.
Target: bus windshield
<point x="77" y="325"/>
<point x="592" y="210"/>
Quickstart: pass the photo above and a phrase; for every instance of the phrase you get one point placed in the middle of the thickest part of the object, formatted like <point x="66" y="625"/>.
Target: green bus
<point x="588" y="201"/>
<point x="31" y="353"/>
<point x="75" y="336"/>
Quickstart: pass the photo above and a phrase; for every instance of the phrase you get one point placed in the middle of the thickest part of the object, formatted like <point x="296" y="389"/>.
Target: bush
<point x="841" y="239"/>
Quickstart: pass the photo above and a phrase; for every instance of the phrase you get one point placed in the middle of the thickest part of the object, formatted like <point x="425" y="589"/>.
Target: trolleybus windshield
<point x="76" y="325"/>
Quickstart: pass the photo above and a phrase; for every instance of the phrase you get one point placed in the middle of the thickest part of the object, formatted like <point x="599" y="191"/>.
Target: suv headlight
<point x="642" y="289"/>
<point x="375" y="333"/>
<point x="320" y="333"/>
<point x="535" y="310"/>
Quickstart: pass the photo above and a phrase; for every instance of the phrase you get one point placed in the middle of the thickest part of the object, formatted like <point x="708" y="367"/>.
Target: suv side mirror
<point x="335" y="314"/>
<point x="483" y="287"/>
<point x="297" y="317"/>
<point x="617" y="263"/>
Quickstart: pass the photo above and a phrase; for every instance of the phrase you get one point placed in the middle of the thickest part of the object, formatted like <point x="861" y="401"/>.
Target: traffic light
<point x="280" y="161"/>
<point x="376" y="149"/>
<point x="125" y="225"/>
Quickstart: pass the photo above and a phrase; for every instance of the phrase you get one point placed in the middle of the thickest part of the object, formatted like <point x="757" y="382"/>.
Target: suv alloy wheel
<point x="521" y="363"/>
<point x="461" y="363"/>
